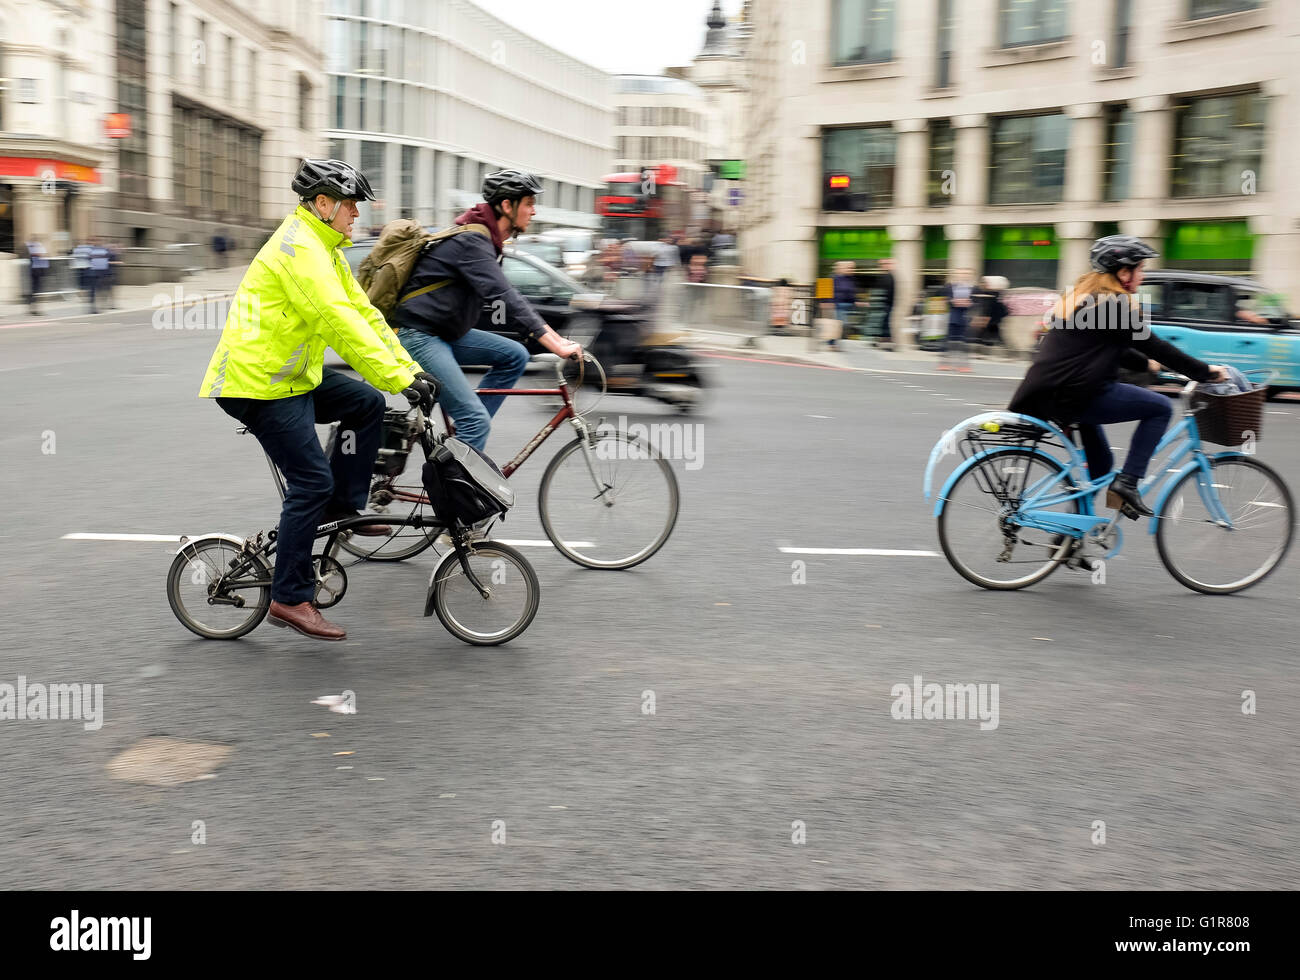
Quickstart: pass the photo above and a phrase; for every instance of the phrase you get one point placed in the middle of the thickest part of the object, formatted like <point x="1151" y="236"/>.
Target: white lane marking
<point x="887" y="552"/>
<point x="819" y="416"/>
<point x="1278" y="413"/>
<point x="87" y="536"/>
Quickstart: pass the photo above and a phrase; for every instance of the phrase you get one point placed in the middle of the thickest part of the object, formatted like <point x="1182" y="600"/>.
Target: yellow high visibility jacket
<point x="298" y="297"/>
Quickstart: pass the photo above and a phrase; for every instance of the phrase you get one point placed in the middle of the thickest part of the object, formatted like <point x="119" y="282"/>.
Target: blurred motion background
<point x="997" y="136"/>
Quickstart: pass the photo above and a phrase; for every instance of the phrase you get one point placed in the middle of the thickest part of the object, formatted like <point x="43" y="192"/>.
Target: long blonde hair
<point x="1089" y="284"/>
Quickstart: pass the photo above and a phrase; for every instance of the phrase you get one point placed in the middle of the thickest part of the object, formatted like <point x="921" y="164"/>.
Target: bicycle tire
<point x="1164" y="525"/>
<point x="449" y="570"/>
<point x="1063" y="543"/>
<point x="184" y="559"/>
<point x="570" y="548"/>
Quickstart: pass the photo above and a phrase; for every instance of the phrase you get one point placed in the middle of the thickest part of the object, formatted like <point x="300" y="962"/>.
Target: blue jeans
<point x="1123" y="403"/>
<point x="471" y="413"/>
<point x="286" y="428"/>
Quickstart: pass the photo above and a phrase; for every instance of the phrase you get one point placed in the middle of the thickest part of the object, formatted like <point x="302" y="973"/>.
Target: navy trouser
<point x="286" y="429"/>
<point x="1123" y="403"/>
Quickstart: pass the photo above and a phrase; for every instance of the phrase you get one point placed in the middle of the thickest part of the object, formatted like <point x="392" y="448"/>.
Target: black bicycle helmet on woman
<point x="338" y="179"/>
<point x="1115" y="252"/>
<point x="510" y="185"/>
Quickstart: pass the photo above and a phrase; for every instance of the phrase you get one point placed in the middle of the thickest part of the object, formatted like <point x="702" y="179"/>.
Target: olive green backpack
<point x="384" y="272"/>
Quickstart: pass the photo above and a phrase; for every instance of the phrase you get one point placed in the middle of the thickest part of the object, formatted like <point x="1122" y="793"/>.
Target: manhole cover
<point x="164" y="761"/>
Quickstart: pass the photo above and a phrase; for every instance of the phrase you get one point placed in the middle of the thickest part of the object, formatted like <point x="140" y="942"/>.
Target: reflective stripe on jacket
<point x="297" y="298"/>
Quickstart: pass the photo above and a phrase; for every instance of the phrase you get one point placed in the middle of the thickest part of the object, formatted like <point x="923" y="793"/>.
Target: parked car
<point x="578" y="247"/>
<point x="1225" y="320"/>
<point x="547" y="250"/>
<point x="565" y="304"/>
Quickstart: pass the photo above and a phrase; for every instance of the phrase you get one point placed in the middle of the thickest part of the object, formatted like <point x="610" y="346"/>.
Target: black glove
<point x="419" y="394"/>
<point x="433" y="383"/>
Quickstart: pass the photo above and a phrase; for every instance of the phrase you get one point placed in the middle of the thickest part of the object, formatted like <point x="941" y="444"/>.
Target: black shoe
<point x="1123" y="496"/>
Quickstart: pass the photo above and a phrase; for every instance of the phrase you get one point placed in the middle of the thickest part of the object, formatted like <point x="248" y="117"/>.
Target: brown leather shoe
<point x="371" y="531"/>
<point x="306" y="619"/>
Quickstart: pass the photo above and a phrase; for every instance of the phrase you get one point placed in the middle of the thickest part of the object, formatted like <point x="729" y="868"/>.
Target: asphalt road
<point x="1119" y="702"/>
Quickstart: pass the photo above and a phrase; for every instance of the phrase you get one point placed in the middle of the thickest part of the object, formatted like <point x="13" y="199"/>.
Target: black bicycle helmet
<point x="510" y="185"/>
<point x="339" y="180"/>
<point x="1118" y="251"/>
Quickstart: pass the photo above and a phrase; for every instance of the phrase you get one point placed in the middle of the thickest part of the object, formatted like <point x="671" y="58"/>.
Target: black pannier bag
<point x="464" y="486"/>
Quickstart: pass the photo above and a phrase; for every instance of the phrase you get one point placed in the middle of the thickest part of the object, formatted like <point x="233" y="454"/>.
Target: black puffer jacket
<point x="1080" y="357"/>
<point x="472" y="263"/>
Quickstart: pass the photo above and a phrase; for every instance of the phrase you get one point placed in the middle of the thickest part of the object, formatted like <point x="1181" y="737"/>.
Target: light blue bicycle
<point x="1012" y="511"/>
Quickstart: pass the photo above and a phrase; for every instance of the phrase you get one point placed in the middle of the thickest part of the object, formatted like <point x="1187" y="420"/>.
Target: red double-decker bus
<point x="646" y="205"/>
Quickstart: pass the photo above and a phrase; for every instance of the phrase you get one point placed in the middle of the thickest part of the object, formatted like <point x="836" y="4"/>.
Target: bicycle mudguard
<point x="947" y="444"/>
<point x="1168" y="487"/>
<point x="187" y="540"/>
<point x="968" y="464"/>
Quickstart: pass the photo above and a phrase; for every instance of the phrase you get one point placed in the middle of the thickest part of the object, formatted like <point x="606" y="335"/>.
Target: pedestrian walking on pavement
<point x="99" y="271"/>
<point x="958" y="293"/>
<point x="887" y="287"/>
<point x="846" y="297"/>
<point x="38" y="264"/>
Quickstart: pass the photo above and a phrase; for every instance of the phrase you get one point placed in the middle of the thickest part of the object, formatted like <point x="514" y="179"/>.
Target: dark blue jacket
<point x="846" y="290"/>
<point x="471" y="262"/>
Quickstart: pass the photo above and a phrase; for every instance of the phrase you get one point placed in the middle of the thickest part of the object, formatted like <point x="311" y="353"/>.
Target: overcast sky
<point x="617" y="36"/>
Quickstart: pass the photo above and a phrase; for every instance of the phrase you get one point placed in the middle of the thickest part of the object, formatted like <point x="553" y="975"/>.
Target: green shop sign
<point x="936" y="245"/>
<point x="856" y="244"/>
<point x="1212" y="241"/>
<point x="1021" y="243"/>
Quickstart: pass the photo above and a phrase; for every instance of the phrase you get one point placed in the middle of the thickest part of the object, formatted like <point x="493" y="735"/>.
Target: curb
<point x="187" y="301"/>
<point x="758" y="354"/>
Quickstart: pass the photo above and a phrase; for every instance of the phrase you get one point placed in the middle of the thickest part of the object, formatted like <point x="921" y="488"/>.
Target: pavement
<point x="210" y="284"/>
<point x="801" y="587"/>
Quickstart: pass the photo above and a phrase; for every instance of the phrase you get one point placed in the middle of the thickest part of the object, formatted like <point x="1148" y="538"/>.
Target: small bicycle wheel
<point x="403" y="499"/>
<point x="974" y="529"/>
<point x="216" y="590"/>
<point x="506" y="612"/>
<point x="608" y="503"/>
<point x="1207" y="556"/>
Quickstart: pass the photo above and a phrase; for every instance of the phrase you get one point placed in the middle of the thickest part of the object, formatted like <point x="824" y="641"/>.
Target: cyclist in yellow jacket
<point x="298" y="297"/>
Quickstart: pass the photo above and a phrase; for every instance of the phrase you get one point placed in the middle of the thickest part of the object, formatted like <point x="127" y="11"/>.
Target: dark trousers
<point x="286" y="429"/>
<point x="1123" y="403"/>
<point x="96" y="282"/>
<point x="36" y="276"/>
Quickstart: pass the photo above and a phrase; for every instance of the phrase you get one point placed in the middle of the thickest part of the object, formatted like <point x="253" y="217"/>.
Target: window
<point x="1152" y="296"/>
<point x="1119" y="153"/>
<point x="858" y="168"/>
<point x="1218" y="144"/>
<point x="201" y="55"/>
<point x="173" y="48"/>
<point x="372" y="166"/>
<point x="361" y="104"/>
<point x="528" y="279"/>
<point x="459" y="171"/>
<point x="230" y="68"/>
<point x="304" y="103"/>
<point x="1032" y="21"/>
<point x="408" y="181"/>
<point x="1028" y="159"/>
<point x="1123" y="24"/>
<point x="942" y="163"/>
<point x="337" y="82"/>
<point x="252" y="79"/>
<point x="862" y="31"/>
<point x="1203" y="302"/>
<point x="383" y="107"/>
<point x="1196" y="9"/>
<point x="27" y="91"/>
<point x="943" y="55"/>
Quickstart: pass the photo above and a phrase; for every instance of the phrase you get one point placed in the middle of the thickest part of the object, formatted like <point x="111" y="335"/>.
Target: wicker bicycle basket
<point x="1229" y="420"/>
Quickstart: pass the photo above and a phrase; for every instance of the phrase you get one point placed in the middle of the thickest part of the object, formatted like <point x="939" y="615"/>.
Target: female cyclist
<point x="1073" y="381"/>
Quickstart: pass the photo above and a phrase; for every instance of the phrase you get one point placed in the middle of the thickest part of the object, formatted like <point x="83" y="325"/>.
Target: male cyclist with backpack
<point x="442" y="300"/>
<point x="297" y="298"/>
